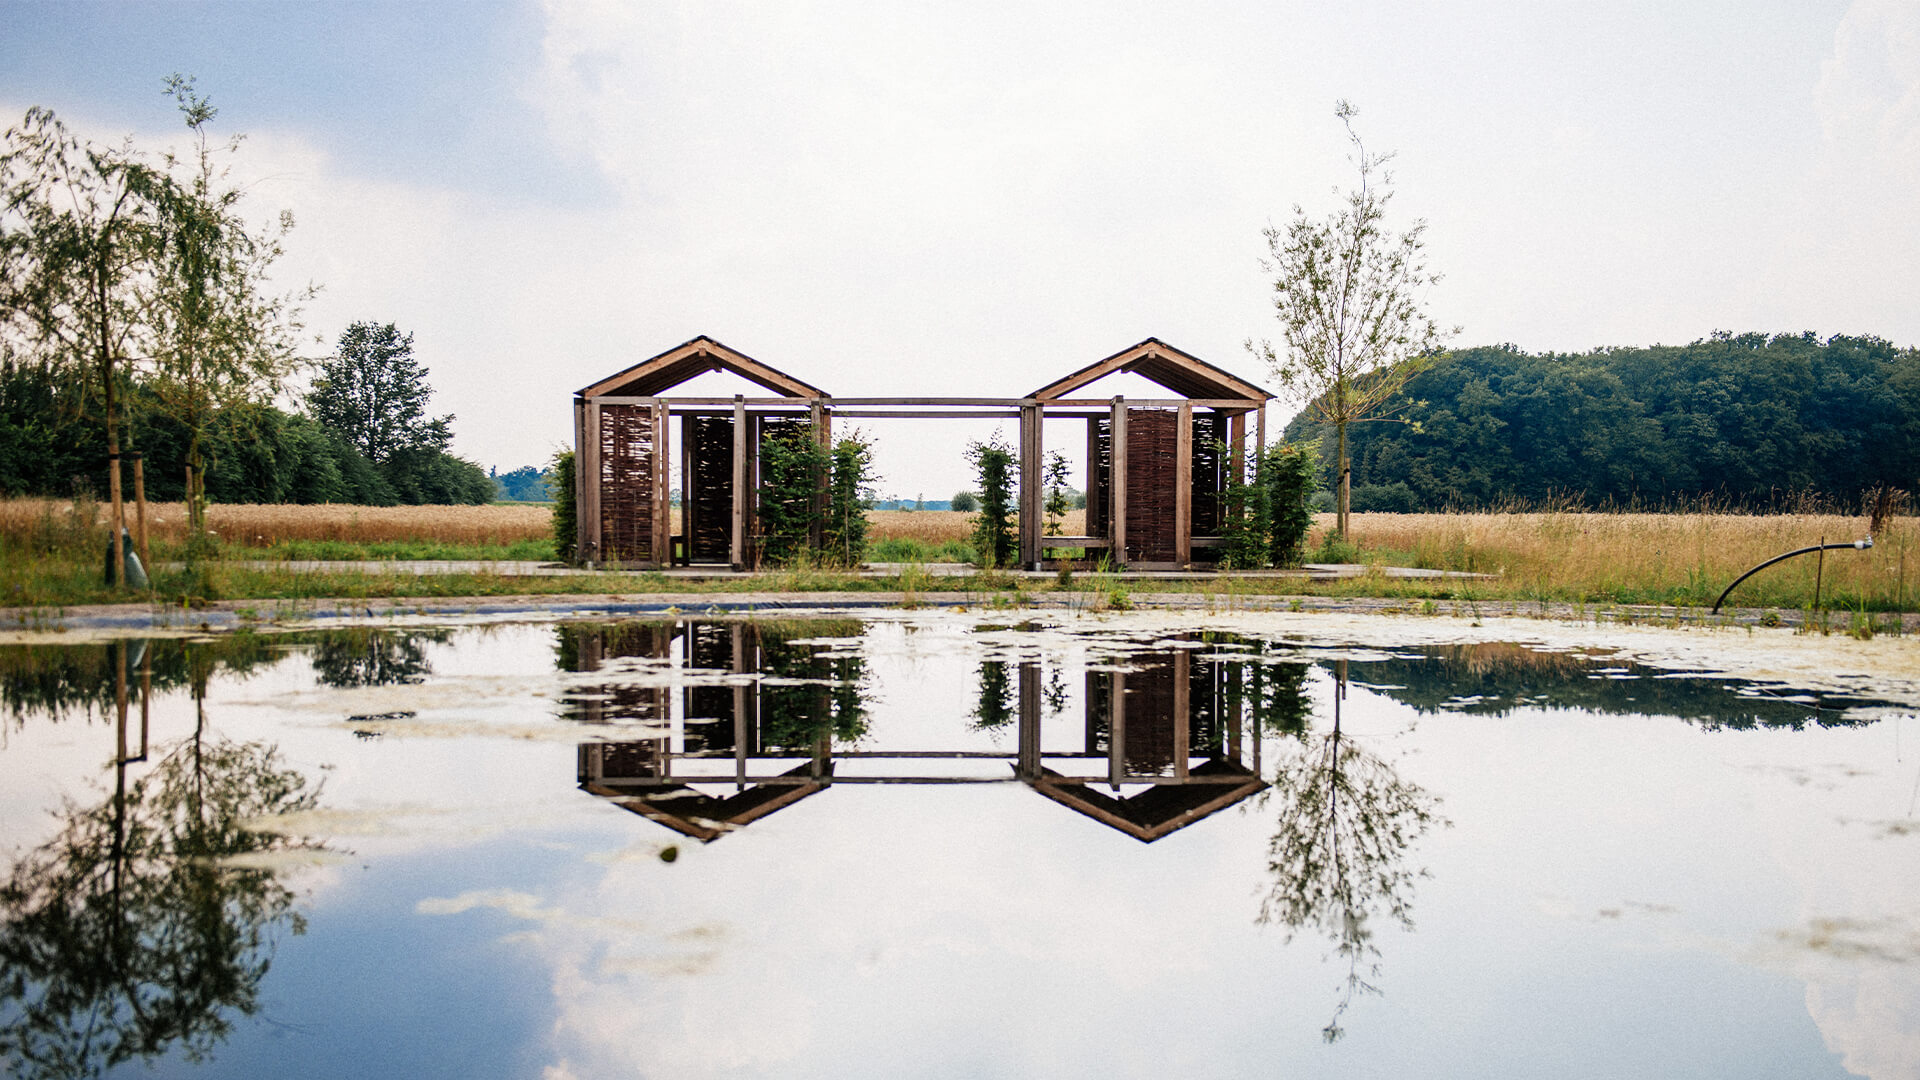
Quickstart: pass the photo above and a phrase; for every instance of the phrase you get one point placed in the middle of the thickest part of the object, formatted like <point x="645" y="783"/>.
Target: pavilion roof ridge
<point x="697" y="356"/>
<point x="1172" y="367"/>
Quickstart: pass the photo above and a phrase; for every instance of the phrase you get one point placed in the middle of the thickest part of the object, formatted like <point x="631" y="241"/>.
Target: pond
<point x="943" y="844"/>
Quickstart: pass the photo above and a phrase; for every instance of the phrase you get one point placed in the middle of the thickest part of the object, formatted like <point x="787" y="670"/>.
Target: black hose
<point x="1860" y="544"/>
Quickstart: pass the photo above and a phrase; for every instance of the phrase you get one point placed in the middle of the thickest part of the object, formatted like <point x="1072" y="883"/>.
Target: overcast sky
<point x="923" y="199"/>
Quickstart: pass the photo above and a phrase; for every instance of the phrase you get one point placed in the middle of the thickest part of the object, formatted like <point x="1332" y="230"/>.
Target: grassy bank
<point x="52" y="556"/>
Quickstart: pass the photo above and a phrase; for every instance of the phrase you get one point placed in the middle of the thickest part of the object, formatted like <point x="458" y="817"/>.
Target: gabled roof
<point x="1162" y="808"/>
<point x="651" y="378"/>
<point x="1183" y="373"/>
<point x="691" y="812"/>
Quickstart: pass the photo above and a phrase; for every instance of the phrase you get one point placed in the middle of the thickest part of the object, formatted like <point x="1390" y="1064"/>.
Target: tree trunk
<point x="116" y="515"/>
<point x="1343" y="482"/>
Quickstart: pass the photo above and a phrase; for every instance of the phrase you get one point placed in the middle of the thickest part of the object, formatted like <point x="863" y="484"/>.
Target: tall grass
<point x="1652" y="558"/>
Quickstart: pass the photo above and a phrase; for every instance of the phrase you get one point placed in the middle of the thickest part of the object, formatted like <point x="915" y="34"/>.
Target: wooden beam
<point x="737" y="547"/>
<point x="927" y="414"/>
<point x="1183" y="485"/>
<point x="1117" y="495"/>
<point x="1117" y="730"/>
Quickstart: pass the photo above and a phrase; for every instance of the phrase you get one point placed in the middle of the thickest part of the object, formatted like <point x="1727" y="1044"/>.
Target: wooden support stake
<point x="588" y="467"/>
<point x="140" y="512"/>
<point x="1117" y="495"/>
<point x="1117" y="731"/>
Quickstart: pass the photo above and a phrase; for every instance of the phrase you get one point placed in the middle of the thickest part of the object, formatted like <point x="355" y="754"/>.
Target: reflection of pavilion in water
<point x="762" y="722"/>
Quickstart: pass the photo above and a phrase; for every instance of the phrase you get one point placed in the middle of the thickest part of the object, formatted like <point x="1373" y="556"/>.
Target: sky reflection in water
<point x="933" y="845"/>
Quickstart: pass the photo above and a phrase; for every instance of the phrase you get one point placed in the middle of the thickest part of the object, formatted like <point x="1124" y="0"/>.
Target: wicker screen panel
<point x="628" y="443"/>
<point x="1099" y="492"/>
<point x="1151" y="444"/>
<point x="1209" y="472"/>
<point x="710" y="510"/>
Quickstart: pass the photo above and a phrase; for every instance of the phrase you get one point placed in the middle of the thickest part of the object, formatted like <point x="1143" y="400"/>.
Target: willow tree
<point x="80" y="235"/>
<point x="1350" y="296"/>
<point x="222" y="337"/>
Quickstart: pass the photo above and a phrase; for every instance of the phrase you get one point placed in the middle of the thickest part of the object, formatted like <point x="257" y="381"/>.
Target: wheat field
<point x="265" y="525"/>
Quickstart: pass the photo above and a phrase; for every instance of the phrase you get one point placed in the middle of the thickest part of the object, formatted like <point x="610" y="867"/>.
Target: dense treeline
<point x="1746" y="419"/>
<point x="256" y="453"/>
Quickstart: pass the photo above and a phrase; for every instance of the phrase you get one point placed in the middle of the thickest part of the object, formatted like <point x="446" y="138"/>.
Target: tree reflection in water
<point x="130" y="933"/>
<point x="364" y="656"/>
<point x="1339" y="856"/>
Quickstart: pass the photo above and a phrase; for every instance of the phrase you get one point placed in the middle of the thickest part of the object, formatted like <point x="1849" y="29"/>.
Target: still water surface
<point x="930" y="845"/>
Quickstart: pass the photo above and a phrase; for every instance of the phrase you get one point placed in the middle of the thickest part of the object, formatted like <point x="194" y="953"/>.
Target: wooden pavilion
<point x="1138" y="451"/>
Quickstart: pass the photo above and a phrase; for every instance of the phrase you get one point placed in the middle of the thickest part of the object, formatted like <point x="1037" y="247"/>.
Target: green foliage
<point x="906" y="549"/>
<point x="965" y="501"/>
<point x="566" y="521"/>
<point x="372" y="395"/>
<point x="849" y="490"/>
<point x="1267" y="518"/>
<point x="1058" y="500"/>
<point x="804" y="485"/>
<point x="528" y="484"/>
<point x="1349" y="296"/>
<point x="994" y="708"/>
<point x="1747" y="420"/>
<point x="994" y="540"/>
<point x="793" y="469"/>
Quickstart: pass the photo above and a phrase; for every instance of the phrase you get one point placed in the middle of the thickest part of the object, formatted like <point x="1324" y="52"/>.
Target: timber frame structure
<point x="1139" y="451"/>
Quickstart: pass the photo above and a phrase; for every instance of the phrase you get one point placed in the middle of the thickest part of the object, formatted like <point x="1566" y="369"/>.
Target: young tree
<point x="373" y="394"/>
<point x="221" y="339"/>
<point x="80" y="236"/>
<point x="994" y="463"/>
<point x="1349" y="294"/>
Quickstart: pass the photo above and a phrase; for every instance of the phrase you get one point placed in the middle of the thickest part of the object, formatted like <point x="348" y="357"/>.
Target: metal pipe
<point x="1859" y="544"/>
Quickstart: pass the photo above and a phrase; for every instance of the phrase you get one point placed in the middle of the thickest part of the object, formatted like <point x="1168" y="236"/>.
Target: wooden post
<point x="737" y="551"/>
<point x="686" y="486"/>
<point x="1182" y="711"/>
<point x="1183" y="486"/>
<point x="1117" y="731"/>
<point x="817" y="421"/>
<point x="586" y="469"/>
<point x="1117" y="496"/>
<point x="1093" y="474"/>
<point x="740" y="730"/>
<point x="117" y="520"/>
<point x="1237" y="447"/>
<point x="1029" y="721"/>
<point x="1030" y="496"/>
<point x="662" y="507"/>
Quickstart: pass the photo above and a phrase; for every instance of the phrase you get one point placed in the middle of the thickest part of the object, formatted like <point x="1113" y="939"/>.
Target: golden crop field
<point x="264" y="525"/>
